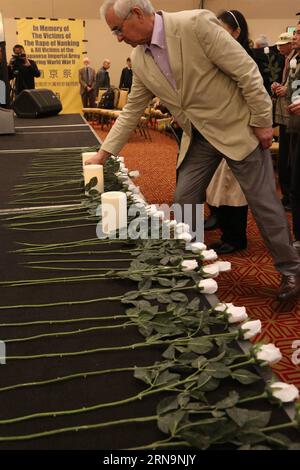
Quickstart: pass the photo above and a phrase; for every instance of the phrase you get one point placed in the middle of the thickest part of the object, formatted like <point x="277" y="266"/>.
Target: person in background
<point x="215" y="92"/>
<point x="126" y="76"/>
<point x="293" y="127"/>
<point x="102" y="76"/>
<point x="87" y="80"/>
<point x="2" y="83"/>
<point x="281" y="117"/>
<point x="269" y="61"/>
<point x="224" y="196"/>
<point x="261" y="41"/>
<point x="22" y="70"/>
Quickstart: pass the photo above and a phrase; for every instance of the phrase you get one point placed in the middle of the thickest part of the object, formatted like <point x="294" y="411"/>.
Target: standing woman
<point x="224" y="193"/>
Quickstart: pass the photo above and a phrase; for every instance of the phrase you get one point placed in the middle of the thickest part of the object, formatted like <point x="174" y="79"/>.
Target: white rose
<point x="120" y="159"/>
<point x="222" y="306"/>
<point x="208" y="286"/>
<point x="184" y="236"/>
<point x="159" y="215"/>
<point x="189" y="265"/>
<point x="234" y="314"/>
<point x="211" y="270"/>
<point x="224" y="266"/>
<point x="172" y="224"/>
<point x="196" y="247"/>
<point x="140" y="207"/>
<point x="134" y="174"/>
<point x="138" y="200"/>
<point x="134" y="189"/>
<point x="209" y="255"/>
<point x="151" y="210"/>
<point x="181" y="228"/>
<point x="250" y="329"/>
<point x="122" y="177"/>
<point x="284" y="392"/>
<point x="268" y="353"/>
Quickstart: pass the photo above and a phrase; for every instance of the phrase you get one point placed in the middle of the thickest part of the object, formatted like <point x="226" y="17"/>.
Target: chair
<point x="112" y="114"/>
<point x="122" y="100"/>
<point x="101" y="92"/>
<point x="143" y="129"/>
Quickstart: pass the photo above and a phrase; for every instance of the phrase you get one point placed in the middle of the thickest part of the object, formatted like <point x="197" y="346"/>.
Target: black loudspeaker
<point x="36" y="103"/>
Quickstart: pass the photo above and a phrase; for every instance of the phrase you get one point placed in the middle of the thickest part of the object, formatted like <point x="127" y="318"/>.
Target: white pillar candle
<point x="114" y="211"/>
<point x="92" y="171"/>
<point x="87" y="155"/>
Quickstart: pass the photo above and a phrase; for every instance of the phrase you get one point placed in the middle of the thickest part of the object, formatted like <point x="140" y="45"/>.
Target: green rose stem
<point x="87" y="427"/>
<point x="178" y="342"/>
<point x="170" y="442"/>
<point x="70" y="333"/>
<point x="46" y="214"/>
<point x="88" y="242"/>
<point x="91" y="252"/>
<point x="90" y="301"/>
<point x="68" y="219"/>
<point x="79" y="375"/>
<point x="73" y="320"/>
<point x="46" y="186"/>
<point x="127" y="324"/>
<point x="79" y="320"/>
<point x="52" y="228"/>
<point x="152" y="390"/>
<point x="69" y="210"/>
<point x="290" y="424"/>
<point x="91" y="277"/>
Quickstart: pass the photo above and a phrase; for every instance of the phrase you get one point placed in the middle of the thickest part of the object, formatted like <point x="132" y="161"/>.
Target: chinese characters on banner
<point x="57" y="47"/>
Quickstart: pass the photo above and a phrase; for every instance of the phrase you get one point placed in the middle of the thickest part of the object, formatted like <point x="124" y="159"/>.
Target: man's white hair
<point x="123" y="7"/>
<point x="262" y="41"/>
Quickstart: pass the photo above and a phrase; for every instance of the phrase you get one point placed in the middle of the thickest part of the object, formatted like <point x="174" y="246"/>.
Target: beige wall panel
<point x="102" y="44"/>
<point x="257" y="8"/>
<point x="271" y="28"/>
<point x="90" y="8"/>
<point x="21" y="9"/>
<point x="76" y="8"/>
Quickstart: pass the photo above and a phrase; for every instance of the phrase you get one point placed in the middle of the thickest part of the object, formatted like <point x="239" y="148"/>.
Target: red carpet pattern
<point x="253" y="280"/>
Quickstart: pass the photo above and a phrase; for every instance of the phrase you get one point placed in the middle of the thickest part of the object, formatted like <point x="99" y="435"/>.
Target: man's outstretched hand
<point x="98" y="159"/>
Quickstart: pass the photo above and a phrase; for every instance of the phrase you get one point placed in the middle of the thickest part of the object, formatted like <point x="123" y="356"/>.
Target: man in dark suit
<point x="102" y="76"/>
<point x="87" y="80"/>
<point x="126" y="76"/>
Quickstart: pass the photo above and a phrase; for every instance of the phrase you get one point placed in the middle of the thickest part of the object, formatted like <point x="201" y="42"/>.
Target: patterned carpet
<point x="252" y="281"/>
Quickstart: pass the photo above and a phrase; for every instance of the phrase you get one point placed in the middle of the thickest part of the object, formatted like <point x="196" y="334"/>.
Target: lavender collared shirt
<point x="158" y="50"/>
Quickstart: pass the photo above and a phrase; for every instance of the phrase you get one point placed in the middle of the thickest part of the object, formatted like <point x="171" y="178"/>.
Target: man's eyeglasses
<point x="118" y="31"/>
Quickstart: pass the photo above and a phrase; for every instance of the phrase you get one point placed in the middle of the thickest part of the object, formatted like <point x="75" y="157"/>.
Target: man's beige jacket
<point x="219" y="88"/>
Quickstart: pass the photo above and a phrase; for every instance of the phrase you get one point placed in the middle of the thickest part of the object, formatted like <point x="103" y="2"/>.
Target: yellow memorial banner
<point x="57" y="47"/>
